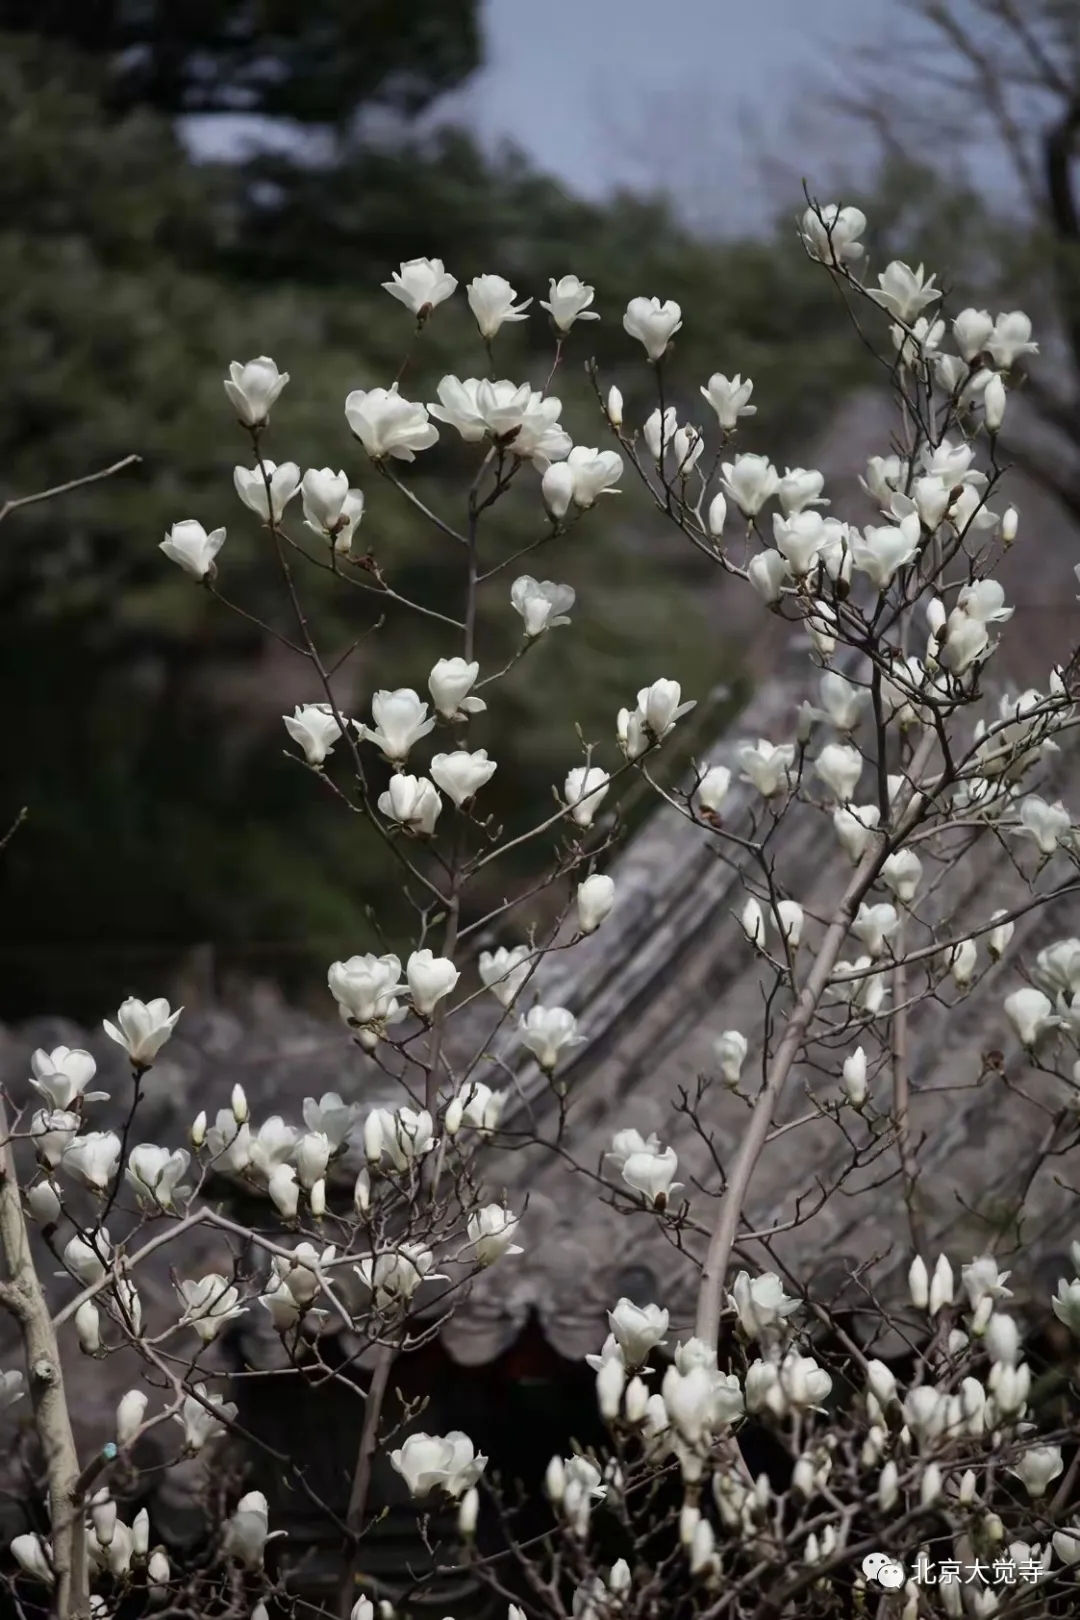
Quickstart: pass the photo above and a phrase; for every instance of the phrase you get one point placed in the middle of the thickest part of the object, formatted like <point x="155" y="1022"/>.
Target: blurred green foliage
<point x="142" y="718"/>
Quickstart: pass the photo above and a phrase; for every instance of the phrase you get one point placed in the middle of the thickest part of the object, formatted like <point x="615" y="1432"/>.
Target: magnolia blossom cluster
<point x="901" y="618"/>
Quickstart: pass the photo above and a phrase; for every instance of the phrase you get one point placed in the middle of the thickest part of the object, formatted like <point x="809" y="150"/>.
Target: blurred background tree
<point x="143" y="719"/>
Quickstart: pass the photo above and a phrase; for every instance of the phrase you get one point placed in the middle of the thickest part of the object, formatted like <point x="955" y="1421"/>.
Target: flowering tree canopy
<point x="376" y="1214"/>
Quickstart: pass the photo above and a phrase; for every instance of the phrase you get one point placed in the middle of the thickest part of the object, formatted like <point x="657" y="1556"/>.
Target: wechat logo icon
<point x="883" y="1571"/>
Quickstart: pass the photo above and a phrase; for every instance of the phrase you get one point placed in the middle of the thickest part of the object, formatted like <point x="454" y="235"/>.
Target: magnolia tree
<point x="936" y="1485"/>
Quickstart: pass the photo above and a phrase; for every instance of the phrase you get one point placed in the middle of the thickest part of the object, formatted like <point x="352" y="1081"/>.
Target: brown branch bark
<point x="24" y="1297"/>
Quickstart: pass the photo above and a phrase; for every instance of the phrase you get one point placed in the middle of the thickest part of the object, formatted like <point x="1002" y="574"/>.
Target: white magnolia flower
<point x="267" y="489"/>
<point x="637" y="1330"/>
<point x="253" y="388"/>
<point x="542" y="604"/>
<point x="449" y="1462"/>
<point x="142" y="1028"/>
<point x="312" y="1155"/>
<point x="768" y="573"/>
<point x="503" y="971"/>
<point x="652" y="1174"/>
<point x="800" y="540"/>
<point x="595" y="898"/>
<point x="766" y="766"/>
<point x="209" y="1302"/>
<point x="904" y="292"/>
<point x="475" y="1105"/>
<point x="547" y="1032"/>
<point x="730" y="1051"/>
<point x="51" y="1129"/>
<point x="875" y="925"/>
<point x="401" y="719"/>
<point x="301" y="1272"/>
<point x="413" y="802"/>
<point x="568" y="301"/>
<point x="1037" y="1468"/>
<point x="92" y="1158"/>
<point x="659" y="431"/>
<point x="394" y="1276"/>
<point x="32" y="1554"/>
<point x="315" y="728"/>
<point x="228" y="1143"/>
<point x="450" y="683"/>
<point x="831" y="233"/>
<point x="750" y="480"/>
<point x="659" y="707"/>
<point x="388" y="425"/>
<point x="461" y="775"/>
<point x="1010" y="338"/>
<point x="1066" y="1304"/>
<point x="853" y="1078"/>
<point x="331" y="508"/>
<point x="1031" y="1015"/>
<point x="88" y="1258"/>
<point x="44" y="1202"/>
<point x="155" y="1175"/>
<point x="653" y="324"/>
<point x="711" y="791"/>
<point x="901" y="873"/>
<point x="402" y="1135"/>
<point x="760" y="1303"/>
<point x="189" y="546"/>
<point x="420" y="285"/>
<point x="430" y="978"/>
<point x="839" y="766"/>
<point x="366" y="989"/>
<point x="203" y="1416"/>
<point x="491" y="299"/>
<point x="729" y="398"/>
<point x="799" y="488"/>
<point x="62" y="1075"/>
<point x="247" y="1530"/>
<point x="491" y="1232"/>
<point x="584" y="791"/>
<point x="592" y="473"/>
<point x="272" y="1145"/>
<point x="880" y="552"/>
<point x="1047" y="824"/>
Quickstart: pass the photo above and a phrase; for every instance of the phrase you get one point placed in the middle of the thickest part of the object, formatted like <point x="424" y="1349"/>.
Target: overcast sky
<point x="602" y="91"/>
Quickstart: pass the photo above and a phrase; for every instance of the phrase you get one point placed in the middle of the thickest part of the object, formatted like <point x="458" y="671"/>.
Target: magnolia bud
<point x="157" y="1569"/>
<point x="636" y="1400"/>
<point x="88" y="1327"/>
<point x="717" y="516"/>
<point x="239" y="1105"/>
<point x="140" y="1533"/>
<point x="362" y="1193"/>
<point x="317" y="1198"/>
<point x="103" y="1518"/>
<point x="555" y="1480"/>
<point x="614" y="407"/>
<point x="853" y="1078"/>
<point x="1009" y="525"/>
<point x="930" y="1486"/>
<point x="469" y="1512"/>
<point x="888" y="1491"/>
<point x="689" y="1518"/>
<point x="44" y="1202"/>
<point x="129" y="1415"/>
<point x="198" y="1130"/>
<point x="919" y="1283"/>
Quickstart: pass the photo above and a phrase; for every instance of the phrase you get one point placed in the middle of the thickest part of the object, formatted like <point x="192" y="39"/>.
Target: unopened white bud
<point x="614" y="407"/>
<point x="198" y="1130"/>
<point x="1009" y="525"/>
<point x="239" y="1105"/>
<point x="469" y="1512"/>
<point x="317" y="1198"/>
<point x="88" y="1327"/>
